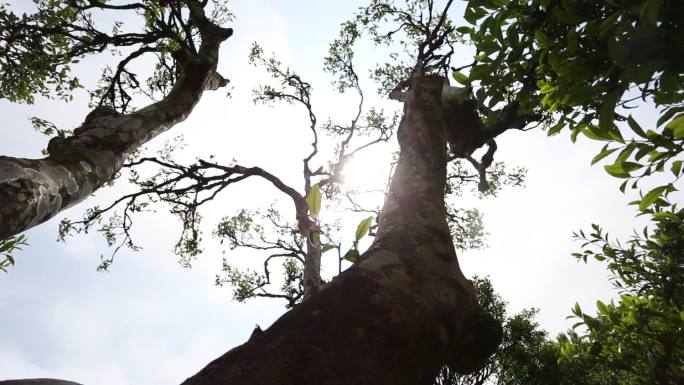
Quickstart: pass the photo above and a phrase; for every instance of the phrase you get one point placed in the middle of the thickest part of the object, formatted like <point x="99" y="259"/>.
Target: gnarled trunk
<point x="400" y="313"/>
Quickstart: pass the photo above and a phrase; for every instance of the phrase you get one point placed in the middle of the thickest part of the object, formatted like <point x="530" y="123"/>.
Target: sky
<point x="150" y="321"/>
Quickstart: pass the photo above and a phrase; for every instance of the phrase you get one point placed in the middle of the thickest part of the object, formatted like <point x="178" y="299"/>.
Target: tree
<point x="639" y="338"/>
<point x="395" y="315"/>
<point x="405" y="308"/>
<point x="634" y="341"/>
<point x="186" y="42"/>
<point x="586" y="64"/>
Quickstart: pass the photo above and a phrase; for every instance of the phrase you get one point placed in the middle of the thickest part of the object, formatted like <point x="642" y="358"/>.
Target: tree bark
<point x="34" y="190"/>
<point x="311" y="276"/>
<point x="399" y="314"/>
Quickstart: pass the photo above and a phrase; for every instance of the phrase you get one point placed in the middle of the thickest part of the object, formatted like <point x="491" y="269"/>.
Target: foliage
<point x="525" y="355"/>
<point x="7" y="249"/>
<point x="638" y="340"/>
<point x="641" y="337"/>
<point x="583" y="65"/>
<point x="586" y="63"/>
<point x="39" y="63"/>
<point x="39" y="49"/>
<point x="271" y="233"/>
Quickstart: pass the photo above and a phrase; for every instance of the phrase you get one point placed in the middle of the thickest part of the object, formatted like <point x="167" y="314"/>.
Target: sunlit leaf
<point x="651" y="197"/>
<point x="604" y="153"/>
<point x="327" y="247"/>
<point x="677" y="126"/>
<point x="363" y="227"/>
<point x="313" y="201"/>
<point x="461" y="78"/>
<point x="352" y="255"/>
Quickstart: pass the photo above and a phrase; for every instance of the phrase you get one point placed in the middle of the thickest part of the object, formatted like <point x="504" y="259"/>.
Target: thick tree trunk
<point x="34" y="190"/>
<point x="399" y="314"/>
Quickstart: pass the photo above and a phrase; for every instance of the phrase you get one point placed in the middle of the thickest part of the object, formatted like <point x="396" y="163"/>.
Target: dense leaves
<point x="526" y="355"/>
<point x="584" y="64"/>
<point x="641" y="337"/>
<point x="39" y="48"/>
<point x="638" y="339"/>
<point x="7" y="248"/>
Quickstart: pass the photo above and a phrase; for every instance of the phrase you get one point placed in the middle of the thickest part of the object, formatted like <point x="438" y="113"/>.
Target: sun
<point x="368" y="171"/>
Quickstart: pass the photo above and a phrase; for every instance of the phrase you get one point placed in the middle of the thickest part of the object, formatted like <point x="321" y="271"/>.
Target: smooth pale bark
<point x="400" y="313"/>
<point x="34" y="190"/>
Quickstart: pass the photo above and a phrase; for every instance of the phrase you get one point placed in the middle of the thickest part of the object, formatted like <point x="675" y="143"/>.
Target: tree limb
<point x="34" y="190"/>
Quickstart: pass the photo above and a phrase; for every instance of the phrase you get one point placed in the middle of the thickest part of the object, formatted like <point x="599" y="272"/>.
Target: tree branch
<point x="35" y="190"/>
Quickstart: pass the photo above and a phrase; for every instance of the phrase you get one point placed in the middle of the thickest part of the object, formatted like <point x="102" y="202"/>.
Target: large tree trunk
<point x="34" y="190"/>
<point x="399" y="314"/>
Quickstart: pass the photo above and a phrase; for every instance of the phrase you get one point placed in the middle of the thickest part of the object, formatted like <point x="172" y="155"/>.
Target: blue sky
<point x="149" y="321"/>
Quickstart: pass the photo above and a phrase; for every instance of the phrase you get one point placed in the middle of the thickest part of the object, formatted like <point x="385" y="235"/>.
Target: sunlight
<point x="367" y="171"/>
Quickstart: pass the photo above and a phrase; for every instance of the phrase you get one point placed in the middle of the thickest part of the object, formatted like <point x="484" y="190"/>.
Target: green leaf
<point x="668" y="114"/>
<point x="651" y="197"/>
<point x="650" y="11"/>
<point x="577" y="310"/>
<point x="643" y="150"/>
<point x="602" y="308"/>
<point x="472" y="14"/>
<point x="547" y="89"/>
<point x="556" y="128"/>
<point x="630" y="166"/>
<point x="313" y="201"/>
<point x="495" y="29"/>
<point x="623" y="186"/>
<point x="573" y="42"/>
<point x="677" y="126"/>
<point x="604" y="153"/>
<point x="327" y="247"/>
<point x="616" y="170"/>
<point x="607" y="111"/>
<point x="626" y="152"/>
<point x="363" y="227"/>
<point x="352" y="255"/>
<point x="573" y="135"/>
<point x="636" y="127"/>
<point x="461" y="78"/>
<point x="543" y="40"/>
<point x="676" y="167"/>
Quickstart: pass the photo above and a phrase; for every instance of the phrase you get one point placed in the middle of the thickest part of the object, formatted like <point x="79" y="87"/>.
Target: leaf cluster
<point x="38" y="49"/>
<point x="583" y="63"/>
<point x="641" y="337"/>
